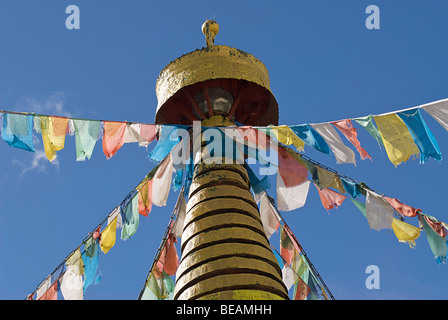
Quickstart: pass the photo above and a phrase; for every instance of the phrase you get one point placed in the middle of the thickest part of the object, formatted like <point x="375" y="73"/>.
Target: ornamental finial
<point x="210" y="29"/>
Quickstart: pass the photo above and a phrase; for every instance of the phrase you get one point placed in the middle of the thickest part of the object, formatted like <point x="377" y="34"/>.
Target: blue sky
<point x="324" y="65"/>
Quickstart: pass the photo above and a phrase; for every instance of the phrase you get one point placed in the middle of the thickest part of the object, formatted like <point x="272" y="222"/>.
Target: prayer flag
<point x="437" y="243"/>
<point x="342" y="153"/>
<point x="329" y="179"/>
<point x="147" y="132"/>
<point x="291" y="198"/>
<point x="159" y="286"/>
<point x="422" y="136"/>
<point x="286" y="136"/>
<point x="145" y="197"/>
<point x="74" y="262"/>
<point x="439" y="111"/>
<point x="346" y="127"/>
<point x="397" y="140"/>
<point x="403" y="209"/>
<point x="379" y="213"/>
<point x="367" y="123"/>
<point x="18" y="131"/>
<point x="109" y="235"/>
<point x="351" y="187"/>
<point x="269" y="218"/>
<point x="53" y="134"/>
<point x="181" y="207"/>
<point x="169" y="259"/>
<point x="51" y="293"/>
<point x="130" y="216"/>
<point x="311" y="137"/>
<point x="289" y="276"/>
<point x="86" y="135"/>
<point x="162" y="182"/>
<point x="330" y="199"/>
<point x="405" y="232"/>
<point x="287" y="246"/>
<point x="92" y="274"/>
<point x="113" y="137"/>
<point x="360" y="206"/>
<point x="71" y="285"/>
<point x="290" y="168"/>
<point x="43" y="287"/>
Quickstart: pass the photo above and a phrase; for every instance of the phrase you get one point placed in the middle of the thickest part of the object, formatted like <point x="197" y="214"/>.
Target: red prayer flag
<point x="302" y="290"/>
<point x="148" y="132"/>
<point x="329" y="198"/>
<point x="51" y="293"/>
<point x="145" y="198"/>
<point x="113" y="137"/>
<point x="404" y="209"/>
<point x="292" y="172"/>
<point x="346" y="127"/>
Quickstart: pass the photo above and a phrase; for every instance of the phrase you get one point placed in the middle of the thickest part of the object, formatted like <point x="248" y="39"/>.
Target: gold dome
<point x="215" y="66"/>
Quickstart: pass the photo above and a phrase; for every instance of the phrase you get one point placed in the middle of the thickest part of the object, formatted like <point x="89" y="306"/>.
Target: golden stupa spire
<point x="189" y="79"/>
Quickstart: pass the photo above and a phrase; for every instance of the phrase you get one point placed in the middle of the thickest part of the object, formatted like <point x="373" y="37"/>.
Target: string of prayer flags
<point x="405" y="232"/>
<point x="113" y="137"/>
<point x="86" y="135"/>
<point x="346" y="127"/>
<point x="53" y="131"/>
<point x="18" y="131"/>
<point x="342" y="153"/>
<point x="397" y="140"/>
<point x="422" y="136"/>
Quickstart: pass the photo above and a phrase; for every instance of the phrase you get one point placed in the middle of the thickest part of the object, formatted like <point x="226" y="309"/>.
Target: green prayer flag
<point x="86" y="135"/>
<point x="367" y="123"/>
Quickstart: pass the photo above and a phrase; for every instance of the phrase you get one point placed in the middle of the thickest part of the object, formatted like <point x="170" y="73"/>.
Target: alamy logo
<point x="373" y="280"/>
<point x="72" y="21"/>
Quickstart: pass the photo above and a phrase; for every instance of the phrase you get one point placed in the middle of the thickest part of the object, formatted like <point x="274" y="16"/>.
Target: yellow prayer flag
<point x="329" y="179"/>
<point x="75" y="263"/>
<point x="53" y="134"/>
<point x="109" y="235"/>
<point x="405" y="232"/>
<point x="286" y="136"/>
<point x="396" y="138"/>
